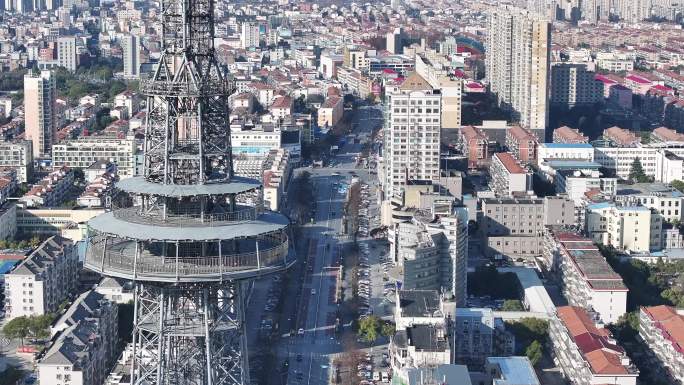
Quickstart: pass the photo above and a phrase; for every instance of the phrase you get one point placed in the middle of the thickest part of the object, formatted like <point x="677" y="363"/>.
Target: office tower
<point x="517" y="65"/>
<point x="66" y="52"/>
<point x="39" y="111"/>
<point x="413" y="135"/>
<point x="186" y="239"/>
<point x="249" y="36"/>
<point x="131" y="56"/>
<point x="395" y="41"/>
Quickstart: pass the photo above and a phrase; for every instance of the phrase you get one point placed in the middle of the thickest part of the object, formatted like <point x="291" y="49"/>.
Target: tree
<point x="636" y="173"/>
<point x="34" y="242"/>
<point x="388" y="329"/>
<point x="678" y="184"/>
<point x="19" y="327"/>
<point x="512" y="305"/>
<point x="526" y="331"/>
<point x="534" y="352"/>
<point x="368" y="328"/>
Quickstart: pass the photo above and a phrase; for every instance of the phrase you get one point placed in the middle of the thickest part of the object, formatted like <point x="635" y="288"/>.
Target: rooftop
<point x="649" y="189"/>
<point x="514" y="371"/>
<point x="566" y="145"/>
<point x="419" y="303"/>
<point x="510" y="163"/>
<point x="600" y="351"/>
<point x="671" y="324"/>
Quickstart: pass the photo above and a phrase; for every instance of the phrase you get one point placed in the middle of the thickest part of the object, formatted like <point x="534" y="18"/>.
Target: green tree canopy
<point x="678" y="184"/>
<point x="534" y="352"/>
<point x="368" y="328"/>
<point x="512" y="305"/>
<point x="19" y="327"/>
<point x="637" y="174"/>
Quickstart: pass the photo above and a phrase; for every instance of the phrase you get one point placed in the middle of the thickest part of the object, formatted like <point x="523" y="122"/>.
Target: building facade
<point x="39" y="111"/>
<point x="18" y="156"/>
<point x="83" y="152"/>
<point x="45" y="278"/>
<point x="660" y="329"/>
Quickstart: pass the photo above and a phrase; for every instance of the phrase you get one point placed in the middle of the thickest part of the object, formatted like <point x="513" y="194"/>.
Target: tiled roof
<point x="670" y="323"/>
<point x="510" y="163"/>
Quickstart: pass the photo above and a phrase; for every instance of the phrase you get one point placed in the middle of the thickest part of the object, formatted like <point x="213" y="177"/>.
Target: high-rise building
<point x="412" y="137"/>
<point x="249" y="36"/>
<point x="573" y="85"/>
<point x="131" y="56"/>
<point x="66" y="53"/>
<point x="39" y="109"/>
<point x="517" y="65"/>
<point x="18" y="156"/>
<point x="395" y="41"/>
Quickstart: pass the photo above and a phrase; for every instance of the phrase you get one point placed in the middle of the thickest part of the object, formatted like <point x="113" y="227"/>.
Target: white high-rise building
<point x="249" y="36"/>
<point x="66" y="52"/>
<point x="39" y="110"/>
<point x="412" y="137"/>
<point x="517" y="65"/>
<point x="131" y="56"/>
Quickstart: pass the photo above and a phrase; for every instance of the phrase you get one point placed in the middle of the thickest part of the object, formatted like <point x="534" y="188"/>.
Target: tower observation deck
<point x="184" y="234"/>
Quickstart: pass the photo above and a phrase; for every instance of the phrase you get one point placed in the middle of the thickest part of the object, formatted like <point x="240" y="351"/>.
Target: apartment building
<point x="83" y="152"/>
<point x="479" y="334"/>
<point x="131" y="56"/>
<point x="522" y="144"/>
<point x="50" y="191"/>
<point x="419" y="307"/>
<point x="277" y="169"/>
<point x="666" y="135"/>
<point x="659" y="197"/>
<point x="661" y="329"/>
<point x="514" y="227"/>
<point x="98" y="191"/>
<point x="433" y="254"/>
<point x="18" y="156"/>
<point x="587" y="280"/>
<point x="474" y="144"/>
<point x="419" y="346"/>
<point x="115" y="290"/>
<point x="432" y="67"/>
<point x="249" y="35"/>
<point x="508" y="177"/>
<point x="569" y="135"/>
<point x="576" y="183"/>
<point x="86" y="346"/>
<point x="8" y="221"/>
<point x="626" y="228"/>
<point x="621" y="137"/>
<point x="67" y="56"/>
<point x="572" y="84"/>
<point x="330" y="113"/>
<point x="511" y="371"/>
<point x="39" y="111"/>
<point x="586" y="352"/>
<point x="68" y="222"/>
<point x="354" y="81"/>
<point x="45" y="278"/>
<point x="517" y="65"/>
<point x="412" y="137"/>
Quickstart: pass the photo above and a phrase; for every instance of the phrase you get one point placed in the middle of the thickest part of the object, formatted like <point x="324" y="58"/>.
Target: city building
<point x="576" y="183"/>
<point x="514" y="227"/>
<point x="50" y="191"/>
<point x="419" y="307"/>
<point x="67" y="222"/>
<point x="249" y="35"/>
<point x="661" y="329"/>
<point x="83" y="152"/>
<point x="564" y="151"/>
<point x="511" y="371"/>
<point x="433" y="68"/>
<point x="626" y="228"/>
<point x="477" y="335"/>
<point x="115" y="290"/>
<point x="658" y="197"/>
<point x="474" y="144"/>
<point x="419" y="346"/>
<point x="277" y="169"/>
<point x="395" y="41"/>
<point x="522" y="144"/>
<point x="8" y="221"/>
<point x="586" y="352"/>
<point x="569" y="135"/>
<point x="621" y="137"/>
<point x="666" y="135"/>
<point x="573" y="85"/>
<point x="330" y="113"/>
<point x="45" y="278"/>
<point x="433" y="254"/>
<point x="86" y="345"/>
<point x="18" y="155"/>
<point x="412" y="137"/>
<point x="508" y="177"/>
<point x="67" y="56"/>
<point x="131" y="56"/>
<point x="39" y="111"/>
<point x="586" y="279"/>
<point x="517" y="65"/>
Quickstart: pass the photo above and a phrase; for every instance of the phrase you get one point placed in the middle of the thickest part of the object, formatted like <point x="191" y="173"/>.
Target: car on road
<point x="300" y="331"/>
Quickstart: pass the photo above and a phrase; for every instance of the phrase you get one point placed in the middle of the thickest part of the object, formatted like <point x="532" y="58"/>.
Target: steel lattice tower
<point x="184" y="234"/>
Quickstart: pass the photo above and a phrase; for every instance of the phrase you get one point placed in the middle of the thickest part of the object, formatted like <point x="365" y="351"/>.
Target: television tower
<point x="189" y="232"/>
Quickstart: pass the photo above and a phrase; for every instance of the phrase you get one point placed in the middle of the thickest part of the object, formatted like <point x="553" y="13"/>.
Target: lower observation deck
<point x="130" y="260"/>
<point x="119" y="225"/>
